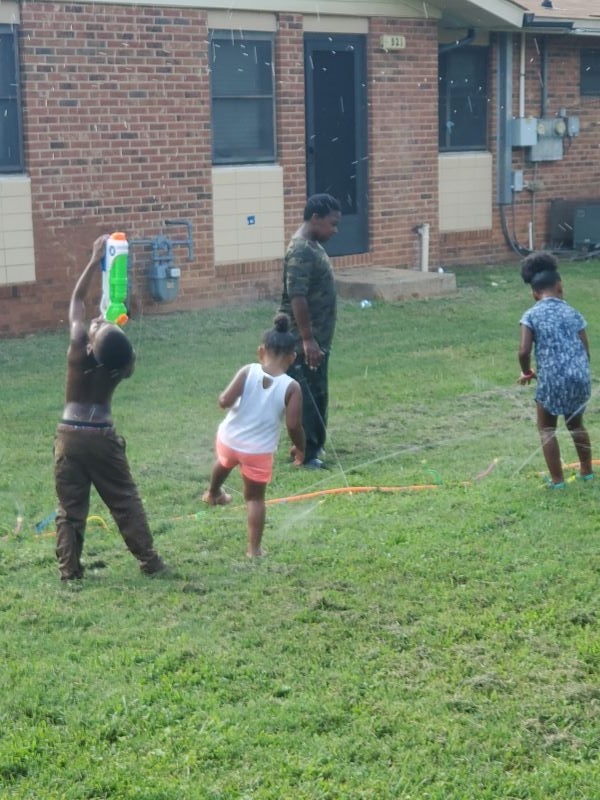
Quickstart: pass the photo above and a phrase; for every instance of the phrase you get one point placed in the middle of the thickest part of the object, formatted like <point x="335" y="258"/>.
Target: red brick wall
<point x="118" y="136"/>
<point x="403" y="140"/>
<point x="289" y="74"/>
<point x="576" y="176"/>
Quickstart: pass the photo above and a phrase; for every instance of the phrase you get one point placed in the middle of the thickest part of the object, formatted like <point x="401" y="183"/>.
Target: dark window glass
<point x="11" y="146"/>
<point x="463" y="98"/>
<point x="243" y="113"/>
<point x="334" y="152"/>
<point x="590" y="72"/>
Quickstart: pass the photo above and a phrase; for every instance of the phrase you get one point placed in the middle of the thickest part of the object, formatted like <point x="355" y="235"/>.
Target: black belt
<point x="75" y="423"/>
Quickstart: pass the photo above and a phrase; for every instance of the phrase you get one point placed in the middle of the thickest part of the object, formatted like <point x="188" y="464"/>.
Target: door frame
<point x="353" y="236"/>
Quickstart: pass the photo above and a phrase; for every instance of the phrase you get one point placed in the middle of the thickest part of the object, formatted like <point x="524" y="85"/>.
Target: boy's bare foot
<point x="260" y="553"/>
<point x="222" y="499"/>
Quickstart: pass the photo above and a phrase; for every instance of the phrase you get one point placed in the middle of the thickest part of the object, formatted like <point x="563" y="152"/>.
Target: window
<point x="11" y="141"/>
<point x="590" y="72"/>
<point x="243" y="108"/>
<point x="463" y="98"/>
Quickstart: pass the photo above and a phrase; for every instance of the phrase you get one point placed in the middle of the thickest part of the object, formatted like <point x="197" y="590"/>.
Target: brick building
<point x="210" y="126"/>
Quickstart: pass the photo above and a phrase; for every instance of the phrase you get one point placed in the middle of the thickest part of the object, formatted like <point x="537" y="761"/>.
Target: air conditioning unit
<point x="562" y="214"/>
<point x="586" y="226"/>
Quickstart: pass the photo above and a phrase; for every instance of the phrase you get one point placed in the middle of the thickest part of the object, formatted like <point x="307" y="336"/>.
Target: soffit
<point x="509" y="14"/>
<point x="489" y="14"/>
<point x="565" y="9"/>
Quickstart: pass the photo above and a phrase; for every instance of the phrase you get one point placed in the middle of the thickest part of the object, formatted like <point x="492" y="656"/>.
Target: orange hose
<point x="576" y="464"/>
<point x="419" y="487"/>
<point x="352" y="490"/>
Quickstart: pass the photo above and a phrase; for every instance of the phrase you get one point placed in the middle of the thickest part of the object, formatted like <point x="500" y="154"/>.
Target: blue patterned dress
<point x="563" y="369"/>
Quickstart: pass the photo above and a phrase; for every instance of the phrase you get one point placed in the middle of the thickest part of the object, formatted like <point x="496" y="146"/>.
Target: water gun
<point x="114" y="279"/>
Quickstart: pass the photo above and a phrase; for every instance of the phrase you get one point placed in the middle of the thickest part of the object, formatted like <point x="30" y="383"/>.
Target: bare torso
<point x="89" y="387"/>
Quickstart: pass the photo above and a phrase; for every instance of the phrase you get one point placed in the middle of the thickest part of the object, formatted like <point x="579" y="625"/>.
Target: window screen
<point x="463" y="98"/>
<point x="243" y="113"/>
<point x="590" y="72"/>
<point x="11" y="145"/>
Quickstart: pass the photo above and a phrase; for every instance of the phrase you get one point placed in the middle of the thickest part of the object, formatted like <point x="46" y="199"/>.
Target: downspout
<point x="544" y="48"/>
<point x="460" y="43"/>
<point x="504" y="138"/>
<point x="522" y="78"/>
<point x="530" y="226"/>
<point x="504" y="117"/>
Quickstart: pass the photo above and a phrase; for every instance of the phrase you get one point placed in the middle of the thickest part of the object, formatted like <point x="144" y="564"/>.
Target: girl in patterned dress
<point x="557" y="331"/>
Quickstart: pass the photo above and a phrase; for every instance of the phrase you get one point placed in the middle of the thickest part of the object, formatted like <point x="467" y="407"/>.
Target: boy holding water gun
<point x="87" y="449"/>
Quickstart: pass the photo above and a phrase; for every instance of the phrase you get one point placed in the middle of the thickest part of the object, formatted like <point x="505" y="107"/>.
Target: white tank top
<point x="253" y="424"/>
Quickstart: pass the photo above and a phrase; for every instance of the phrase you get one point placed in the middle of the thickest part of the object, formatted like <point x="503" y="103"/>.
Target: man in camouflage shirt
<point x="309" y="298"/>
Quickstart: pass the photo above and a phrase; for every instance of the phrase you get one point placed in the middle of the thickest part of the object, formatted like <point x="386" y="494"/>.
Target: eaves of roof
<point x="579" y="17"/>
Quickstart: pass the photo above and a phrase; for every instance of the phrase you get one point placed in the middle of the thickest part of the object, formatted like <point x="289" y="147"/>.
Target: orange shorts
<point x="255" y="467"/>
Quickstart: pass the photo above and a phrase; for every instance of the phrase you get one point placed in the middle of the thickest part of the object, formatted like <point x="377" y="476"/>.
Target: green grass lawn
<point x="438" y="644"/>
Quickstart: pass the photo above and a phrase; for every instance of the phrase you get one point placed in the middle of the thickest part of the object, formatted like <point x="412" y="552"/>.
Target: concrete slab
<point x="388" y="283"/>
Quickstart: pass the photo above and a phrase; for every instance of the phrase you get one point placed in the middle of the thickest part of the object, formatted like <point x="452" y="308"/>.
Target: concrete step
<point x="389" y="283"/>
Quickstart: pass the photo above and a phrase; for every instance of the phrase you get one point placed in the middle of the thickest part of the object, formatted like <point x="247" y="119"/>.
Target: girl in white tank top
<point x="257" y="399"/>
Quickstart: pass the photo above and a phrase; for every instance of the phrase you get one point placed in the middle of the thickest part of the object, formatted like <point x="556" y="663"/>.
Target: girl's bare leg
<point x="214" y="495"/>
<point x="547" y="427"/>
<point x="582" y="443"/>
<point x="254" y="495"/>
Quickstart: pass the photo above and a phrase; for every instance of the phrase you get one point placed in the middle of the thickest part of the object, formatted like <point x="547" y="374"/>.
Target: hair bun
<point x="536" y="263"/>
<point x="281" y="323"/>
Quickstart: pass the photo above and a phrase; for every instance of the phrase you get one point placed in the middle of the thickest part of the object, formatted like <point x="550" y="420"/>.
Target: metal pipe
<point x="460" y="43"/>
<point x="423" y="231"/>
<point x="544" y="77"/>
<point x="522" y="78"/>
<point x="504" y="118"/>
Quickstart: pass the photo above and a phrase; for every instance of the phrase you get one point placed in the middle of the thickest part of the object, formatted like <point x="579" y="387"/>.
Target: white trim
<point x="491" y="14"/>
<point x="328" y="24"/>
<point x="411" y="9"/>
<point x="507" y="12"/>
<point x="242" y="20"/>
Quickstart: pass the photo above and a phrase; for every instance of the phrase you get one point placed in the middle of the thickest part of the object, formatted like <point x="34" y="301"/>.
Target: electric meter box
<point x="524" y="132"/>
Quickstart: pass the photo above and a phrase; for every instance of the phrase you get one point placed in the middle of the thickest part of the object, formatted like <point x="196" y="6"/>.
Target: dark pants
<point x="84" y="457"/>
<point x="315" y="398"/>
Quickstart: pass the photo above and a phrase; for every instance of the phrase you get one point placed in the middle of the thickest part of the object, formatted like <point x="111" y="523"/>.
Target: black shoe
<point x="76" y="576"/>
<point x="315" y="463"/>
<point x="155" y="567"/>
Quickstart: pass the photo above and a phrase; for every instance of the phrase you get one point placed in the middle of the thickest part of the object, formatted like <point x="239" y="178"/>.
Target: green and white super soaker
<point x="114" y="279"/>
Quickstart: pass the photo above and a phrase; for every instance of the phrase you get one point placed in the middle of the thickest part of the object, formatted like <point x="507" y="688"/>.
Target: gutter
<point x="545" y="25"/>
<point x="535" y="24"/>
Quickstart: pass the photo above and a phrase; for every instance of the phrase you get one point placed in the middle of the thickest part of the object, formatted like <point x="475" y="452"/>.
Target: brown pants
<point x="96" y="456"/>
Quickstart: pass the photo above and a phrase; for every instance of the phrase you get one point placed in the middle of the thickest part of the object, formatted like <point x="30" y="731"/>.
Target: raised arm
<point x="77" y="305"/>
